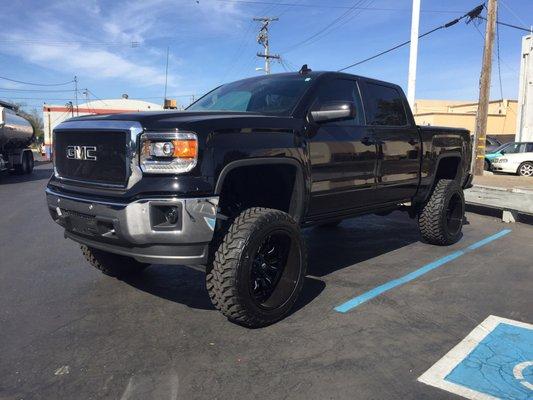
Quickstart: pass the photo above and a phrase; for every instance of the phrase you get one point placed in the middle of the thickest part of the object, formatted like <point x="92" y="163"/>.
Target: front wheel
<point x="441" y="219"/>
<point x="526" y="169"/>
<point x="258" y="269"/>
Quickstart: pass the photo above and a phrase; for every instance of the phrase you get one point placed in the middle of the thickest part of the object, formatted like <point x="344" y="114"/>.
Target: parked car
<point x="491" y="155"/>
<point x="515" y="159"/>
<point x="228" y="183"/>
<point x="491" y="143"/>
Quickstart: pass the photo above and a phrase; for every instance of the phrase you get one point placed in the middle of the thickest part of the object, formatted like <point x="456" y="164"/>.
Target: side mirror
<point x="502" y="152"/>
<point x="334" y="111"/>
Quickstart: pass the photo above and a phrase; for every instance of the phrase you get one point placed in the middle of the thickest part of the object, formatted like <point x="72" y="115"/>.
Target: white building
<point x="53" y="115"/>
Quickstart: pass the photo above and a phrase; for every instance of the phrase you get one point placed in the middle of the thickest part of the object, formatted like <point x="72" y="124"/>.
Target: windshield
<point x="275" y="95"/>
<point x="502" y="147"/>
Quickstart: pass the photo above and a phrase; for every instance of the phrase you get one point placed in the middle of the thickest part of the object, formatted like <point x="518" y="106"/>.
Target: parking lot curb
<point x="511" y="205"/>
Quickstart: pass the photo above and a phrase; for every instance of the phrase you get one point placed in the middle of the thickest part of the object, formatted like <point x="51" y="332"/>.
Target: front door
<point x="342" y="153"/>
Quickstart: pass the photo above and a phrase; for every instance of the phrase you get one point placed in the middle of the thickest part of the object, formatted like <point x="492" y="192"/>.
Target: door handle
<point x="412" y="142"/>
<point x="367" y="141"/>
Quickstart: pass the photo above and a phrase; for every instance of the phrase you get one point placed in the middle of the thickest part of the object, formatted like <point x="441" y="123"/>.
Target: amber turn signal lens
<point x="185" y="148"/>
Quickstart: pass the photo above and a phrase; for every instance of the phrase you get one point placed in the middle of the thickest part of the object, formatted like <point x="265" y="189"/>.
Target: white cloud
<point x="93" y="40"/>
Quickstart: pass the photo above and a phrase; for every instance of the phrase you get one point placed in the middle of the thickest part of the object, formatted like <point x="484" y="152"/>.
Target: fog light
<point x="172" y="215"/>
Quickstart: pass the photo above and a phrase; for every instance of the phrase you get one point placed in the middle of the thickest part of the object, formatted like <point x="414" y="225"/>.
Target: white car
<point x="517" y="159"/>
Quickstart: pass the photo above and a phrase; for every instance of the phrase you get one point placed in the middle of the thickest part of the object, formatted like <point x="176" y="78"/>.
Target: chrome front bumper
<point x="129" y="228"/>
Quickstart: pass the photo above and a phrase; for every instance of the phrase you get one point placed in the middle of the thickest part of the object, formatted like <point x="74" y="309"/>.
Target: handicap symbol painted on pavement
<point x="518" y="372"/>
<point x="495" y="361"/>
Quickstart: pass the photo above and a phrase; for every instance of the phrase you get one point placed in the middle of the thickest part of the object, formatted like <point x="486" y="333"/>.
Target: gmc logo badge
<point x="81" y="153"/>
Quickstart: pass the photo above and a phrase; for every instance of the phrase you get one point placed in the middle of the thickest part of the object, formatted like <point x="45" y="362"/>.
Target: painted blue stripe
<point x="356" y="301"/>
<point x="483" y="242"/>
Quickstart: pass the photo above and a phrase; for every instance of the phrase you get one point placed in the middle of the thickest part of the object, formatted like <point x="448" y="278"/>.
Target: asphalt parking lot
<point x="68" y="332"/>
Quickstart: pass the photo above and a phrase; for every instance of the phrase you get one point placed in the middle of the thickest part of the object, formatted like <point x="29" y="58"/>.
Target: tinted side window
<point x="514" y="148"/>
<point x="529" y="148"/>
<point x="384" y="106"/>
<point x="340" y="90"/>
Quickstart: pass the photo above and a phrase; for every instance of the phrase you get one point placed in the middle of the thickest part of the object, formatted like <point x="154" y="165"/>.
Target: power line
<point x="309" y="39"/>
<point x="521" y="28"/>
<point x="65" y="43"/>
<point x="96" y="97"/>
<point x="5" y="89"/>
<point x="38" y="98"/>
<point x="502" y="60"/>
<point x="512" y="12"/>
<point x="332" y="6"/>
<point x="471" y="15"/>
<point x="36" y="84"/>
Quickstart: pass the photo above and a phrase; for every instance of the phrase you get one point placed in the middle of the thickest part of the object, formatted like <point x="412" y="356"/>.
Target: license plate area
<point x="83" y="224"/>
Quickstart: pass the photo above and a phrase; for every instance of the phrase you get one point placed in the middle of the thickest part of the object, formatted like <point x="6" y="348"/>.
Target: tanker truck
<point x="16" y="134"/>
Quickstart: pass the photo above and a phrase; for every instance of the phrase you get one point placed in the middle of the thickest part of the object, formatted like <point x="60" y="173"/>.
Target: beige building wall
<point x="462" y="114"/>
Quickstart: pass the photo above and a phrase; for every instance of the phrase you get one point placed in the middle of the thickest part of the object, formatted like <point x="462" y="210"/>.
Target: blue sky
<point x="213" y="41"/>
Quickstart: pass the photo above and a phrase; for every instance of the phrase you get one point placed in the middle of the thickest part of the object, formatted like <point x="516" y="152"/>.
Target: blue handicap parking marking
<point x="490" y="367"/>
<point x="494" y="361"/>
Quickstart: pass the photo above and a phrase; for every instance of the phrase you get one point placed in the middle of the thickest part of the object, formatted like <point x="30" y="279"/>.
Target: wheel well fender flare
<point x="440" y="157"/>
<point x="297" y="205"/>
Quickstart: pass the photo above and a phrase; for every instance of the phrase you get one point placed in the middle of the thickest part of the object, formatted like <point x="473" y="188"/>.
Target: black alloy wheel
<point x="268" y="266"/>
<point x="455" y="214"/>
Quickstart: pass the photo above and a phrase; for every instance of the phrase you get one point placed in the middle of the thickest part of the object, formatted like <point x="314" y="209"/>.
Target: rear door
<point x="397" y="140"/>
<point x="342" y="153"/>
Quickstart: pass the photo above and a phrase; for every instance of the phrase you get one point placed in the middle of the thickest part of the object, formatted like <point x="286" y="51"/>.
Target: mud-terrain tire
<point x="111" y="264"/>
<point x="258" y="269"/>
<point x="441" y="219"/>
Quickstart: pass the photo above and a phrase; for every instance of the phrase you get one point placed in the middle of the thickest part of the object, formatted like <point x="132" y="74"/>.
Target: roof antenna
<point x="304" y="70"/>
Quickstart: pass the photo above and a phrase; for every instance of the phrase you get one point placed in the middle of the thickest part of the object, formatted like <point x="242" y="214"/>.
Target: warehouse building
<point x="53" y="115"/>
<point x="501" y="121"/>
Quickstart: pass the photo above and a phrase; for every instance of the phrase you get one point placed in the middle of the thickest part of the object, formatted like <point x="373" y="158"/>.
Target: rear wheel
<point x="258" y="269"/>
<point x="26" y="165"/>
<point x="441" y="219"/>
<point x="112" y="264"/>
<point x="526" y="169"/>
<point x="28" y="162"/>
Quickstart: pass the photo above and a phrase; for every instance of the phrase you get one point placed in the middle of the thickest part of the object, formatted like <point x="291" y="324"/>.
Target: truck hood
<point x="195" y="120"/>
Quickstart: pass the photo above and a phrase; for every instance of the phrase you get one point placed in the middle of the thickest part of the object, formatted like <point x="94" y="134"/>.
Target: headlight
<point x="168" y="152"/>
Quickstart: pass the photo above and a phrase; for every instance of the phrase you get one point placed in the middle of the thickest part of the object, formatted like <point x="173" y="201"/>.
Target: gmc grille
<point x="110" y="166"/>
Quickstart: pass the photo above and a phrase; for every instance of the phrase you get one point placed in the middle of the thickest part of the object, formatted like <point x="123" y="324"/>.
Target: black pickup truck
<point x="229" y="183"/>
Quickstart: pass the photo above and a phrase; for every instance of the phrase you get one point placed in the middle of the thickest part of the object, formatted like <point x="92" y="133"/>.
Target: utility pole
<point x="76" y="95"/>
<point x="413" y="54"/>
<point x="478" y="156"/>
<point x="262" y="38"/>
<point x="166" y="76"/>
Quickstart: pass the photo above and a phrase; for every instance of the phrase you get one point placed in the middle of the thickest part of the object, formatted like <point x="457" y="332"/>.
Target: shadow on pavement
<point x="186" y="286"/>
<point x="355" y="241"/>
<point x="37" y="175"/>
<point x="176" y="283"/>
